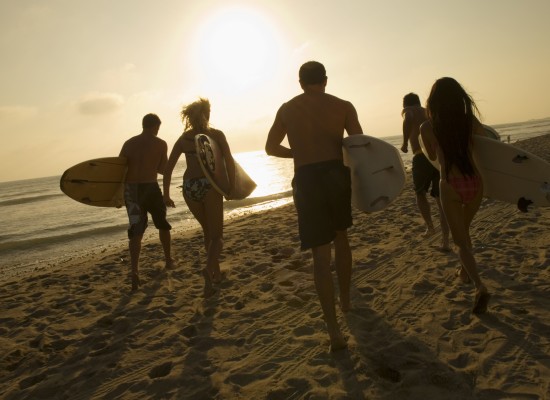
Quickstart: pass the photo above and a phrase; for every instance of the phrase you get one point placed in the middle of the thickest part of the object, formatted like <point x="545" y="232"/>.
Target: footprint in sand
<point x="160" y="371"/>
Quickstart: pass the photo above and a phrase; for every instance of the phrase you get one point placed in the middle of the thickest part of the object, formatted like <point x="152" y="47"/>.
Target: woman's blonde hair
<point x="196" y="115"/>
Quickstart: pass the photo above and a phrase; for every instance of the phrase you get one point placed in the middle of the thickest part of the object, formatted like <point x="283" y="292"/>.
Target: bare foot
<point x="170" y="264"/>
<point x="429" y="232"/>
<point x="481" y="301"/>
<point x="445" y="244"/>
<point x="208" y="288"/>
<point x="135" y="281"/>
<point x="337" y="343"/>
<point x="219" y="277"/>
<point x="345" y="305"/>
<point x="462" y="274"/>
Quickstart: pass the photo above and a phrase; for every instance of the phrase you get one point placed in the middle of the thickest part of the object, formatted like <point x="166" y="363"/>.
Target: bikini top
<point x="190" y="152"/>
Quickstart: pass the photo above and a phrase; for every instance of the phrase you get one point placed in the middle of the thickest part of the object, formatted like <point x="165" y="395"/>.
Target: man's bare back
<point x="413" y="117"/>
<point x="314" y="122"/>
<point x="146" y="155"/>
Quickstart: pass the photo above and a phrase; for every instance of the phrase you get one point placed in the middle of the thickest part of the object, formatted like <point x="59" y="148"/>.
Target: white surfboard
<point x="377" y="172"/>
<point x="98" y="182"/>
<point x="510" y="174"/>
<point x="213" y="166"/>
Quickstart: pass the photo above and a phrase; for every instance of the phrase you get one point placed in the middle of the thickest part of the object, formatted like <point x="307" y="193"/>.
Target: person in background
<point x="424" y="174"/>
<point x="314" y="123"/>
<point x="201" y="198"/>
<point x="146" y="157"/>
<point x="447" y="135"/>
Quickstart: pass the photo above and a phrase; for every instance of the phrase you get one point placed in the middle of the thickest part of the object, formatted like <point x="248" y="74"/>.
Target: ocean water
<point x="41" y="226"/>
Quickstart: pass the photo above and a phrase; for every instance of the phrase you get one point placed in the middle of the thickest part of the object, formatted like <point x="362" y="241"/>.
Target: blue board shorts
<point x="140" y="199"/>
<point x="322" y="197"/>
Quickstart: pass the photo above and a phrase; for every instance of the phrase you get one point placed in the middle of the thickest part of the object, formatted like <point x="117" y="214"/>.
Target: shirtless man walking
<point x="424" y="173"/>
<point x="314" y="123"/>
<point x="146" y="157"/>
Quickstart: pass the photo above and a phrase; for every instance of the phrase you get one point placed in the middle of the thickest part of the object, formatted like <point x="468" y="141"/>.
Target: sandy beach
<point x="77" y="332"/>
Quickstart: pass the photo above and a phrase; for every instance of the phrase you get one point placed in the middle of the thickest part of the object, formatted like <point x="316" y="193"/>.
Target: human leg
<point x="343" y="262"/>
<point x="425" y="212"/>
<point x="166" y="239"/>
<point x="135" y="250"/>
<point x="154" y="204"/>
<point x="213" y="202"/>
<point x="325" y="291"/>
<point x="199" y="212"/>
<point x="444" y="226"/>
<point x="423" y="173"/>
<point x="482" y="296"/>
<point x="137" y="217"/>
<point x="459" y="218"/>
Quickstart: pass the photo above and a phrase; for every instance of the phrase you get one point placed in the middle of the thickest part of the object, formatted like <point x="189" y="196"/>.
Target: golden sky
<point x="78" y="75"/>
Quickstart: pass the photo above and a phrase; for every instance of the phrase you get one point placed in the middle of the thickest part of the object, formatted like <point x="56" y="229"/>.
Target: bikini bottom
<point x="467" y="187"/>
<point x="196" y="188"/>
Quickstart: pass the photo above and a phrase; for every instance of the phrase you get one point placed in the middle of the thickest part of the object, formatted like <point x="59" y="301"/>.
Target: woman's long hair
<point x="451" y="112"/>
<point x="196" y="115"/>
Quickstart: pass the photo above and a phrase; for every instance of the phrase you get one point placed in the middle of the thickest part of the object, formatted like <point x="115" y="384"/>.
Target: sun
<point x="237" y="48"/>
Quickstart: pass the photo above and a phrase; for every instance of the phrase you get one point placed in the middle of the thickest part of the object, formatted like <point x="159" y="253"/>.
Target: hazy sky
<point x="77" y="76"/>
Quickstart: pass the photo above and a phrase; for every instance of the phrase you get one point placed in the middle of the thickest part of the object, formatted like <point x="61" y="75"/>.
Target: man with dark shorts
<point x="314" y="123"/>
<point x="146" y="157"/>
<point x="425" y="175"/>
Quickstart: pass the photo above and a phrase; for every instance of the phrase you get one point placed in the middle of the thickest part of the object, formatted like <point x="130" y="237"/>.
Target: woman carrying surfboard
<point x="447" y="135"/>
<point x="202" y="199"/>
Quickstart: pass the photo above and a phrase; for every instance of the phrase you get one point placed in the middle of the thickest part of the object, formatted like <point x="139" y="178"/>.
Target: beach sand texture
<point x="76" y="331"/>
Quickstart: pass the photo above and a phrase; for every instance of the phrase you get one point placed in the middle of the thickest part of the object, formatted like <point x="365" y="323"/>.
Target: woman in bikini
<point x="202" y="199"/>
<point x="448" y="138"/>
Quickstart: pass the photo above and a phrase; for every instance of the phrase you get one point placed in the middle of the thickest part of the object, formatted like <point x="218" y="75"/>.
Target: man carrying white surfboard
<point x="424" y="174"/>
<point x="314" y="123"/>
<point x="147" y="156"/>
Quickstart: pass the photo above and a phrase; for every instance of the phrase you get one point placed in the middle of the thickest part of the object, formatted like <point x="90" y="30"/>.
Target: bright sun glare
<point x="237" y="48"/>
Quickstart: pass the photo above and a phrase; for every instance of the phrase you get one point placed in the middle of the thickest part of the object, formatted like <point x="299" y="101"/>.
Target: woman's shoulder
<point x="214" y="131"/>
<point x="216" y="134"/>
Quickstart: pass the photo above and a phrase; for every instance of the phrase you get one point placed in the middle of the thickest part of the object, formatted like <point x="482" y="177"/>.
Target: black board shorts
<point x="140" y="199"/>
<point x="322" y="197"/>
<point x="425" y="175"/>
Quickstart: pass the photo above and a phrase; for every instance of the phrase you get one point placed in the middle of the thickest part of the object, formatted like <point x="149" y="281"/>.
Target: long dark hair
<point x="451" y="112"/>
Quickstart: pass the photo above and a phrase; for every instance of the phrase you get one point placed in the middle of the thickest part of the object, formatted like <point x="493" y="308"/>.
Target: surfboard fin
<point x="384" y="199"/>
<point x="519" y="159"/>
<point x="355" y="146"/>
<point x="383" y="169"/>
<point x="523" y="204"/>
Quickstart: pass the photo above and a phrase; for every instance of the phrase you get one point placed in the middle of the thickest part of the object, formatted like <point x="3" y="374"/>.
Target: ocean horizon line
<point x="398" y="135"/>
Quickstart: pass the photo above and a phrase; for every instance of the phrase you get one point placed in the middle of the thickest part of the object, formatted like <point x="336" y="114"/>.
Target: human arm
<point x="163" y="159"/>
<point x="408" y="127"/>
<point x="275" y="136"/>
<point x="430" y="142"/>
<point x="167" y="175"/>
<point x="353" y="127"/>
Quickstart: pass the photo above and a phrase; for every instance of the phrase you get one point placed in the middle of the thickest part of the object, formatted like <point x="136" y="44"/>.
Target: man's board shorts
<point x="322" y="197"/>
<point x="143" y="198"/>
<point x="425" y="175"/>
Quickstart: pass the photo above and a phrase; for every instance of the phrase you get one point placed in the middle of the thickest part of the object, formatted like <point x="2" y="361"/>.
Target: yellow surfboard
<point x="98" y="182"/>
